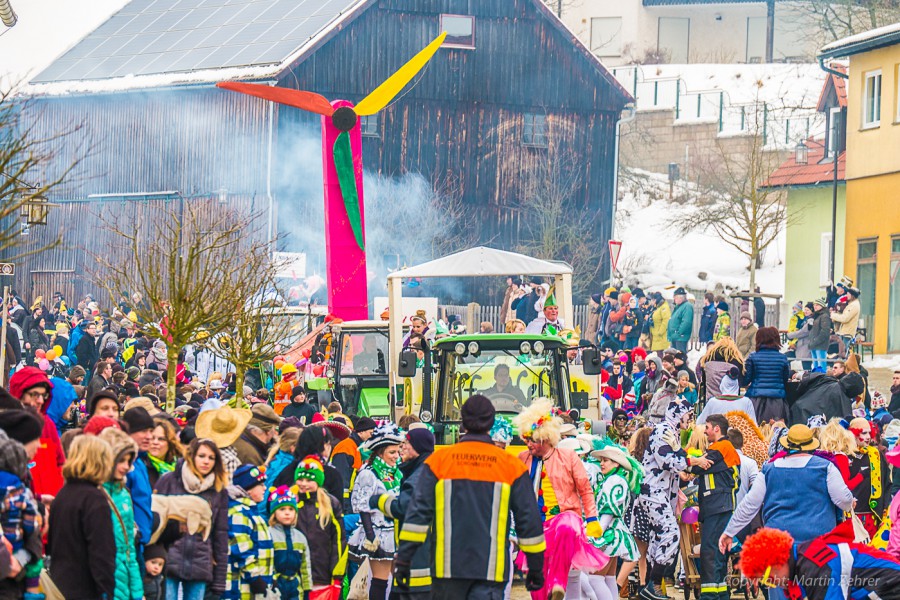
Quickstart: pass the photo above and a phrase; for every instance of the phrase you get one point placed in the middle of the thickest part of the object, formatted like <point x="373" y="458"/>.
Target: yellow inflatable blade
<point x="384" y="93"/>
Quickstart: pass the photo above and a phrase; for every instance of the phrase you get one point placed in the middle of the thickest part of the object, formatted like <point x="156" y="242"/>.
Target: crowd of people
<point x="109" y="495"/>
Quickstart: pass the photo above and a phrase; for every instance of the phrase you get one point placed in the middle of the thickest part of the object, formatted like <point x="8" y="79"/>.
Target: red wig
<point x="767" y="547"/>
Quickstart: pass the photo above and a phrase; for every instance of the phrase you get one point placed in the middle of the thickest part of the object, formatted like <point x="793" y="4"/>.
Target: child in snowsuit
<point x="292" y="573"/>
<point x="154" y="565"/>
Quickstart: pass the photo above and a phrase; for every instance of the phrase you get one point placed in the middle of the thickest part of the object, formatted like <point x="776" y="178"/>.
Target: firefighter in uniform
<point x="467" y="496"/>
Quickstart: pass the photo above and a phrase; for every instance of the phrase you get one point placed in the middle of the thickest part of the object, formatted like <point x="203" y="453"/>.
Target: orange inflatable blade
<point x="384" y="93"/>
<point x="304" y="100"/>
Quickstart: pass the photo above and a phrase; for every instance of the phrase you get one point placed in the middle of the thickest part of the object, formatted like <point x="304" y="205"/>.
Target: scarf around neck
<point x="162" y="467"/>
<point x="388" y="475"/>
<point x="193" y="484"/>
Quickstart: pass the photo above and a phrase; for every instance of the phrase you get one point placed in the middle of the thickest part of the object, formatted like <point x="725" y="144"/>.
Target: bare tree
<point x="735" y="205"/>
<point x="834" y="19"/>
<point x="192" y="262"/>
<point x="24" y="157"/>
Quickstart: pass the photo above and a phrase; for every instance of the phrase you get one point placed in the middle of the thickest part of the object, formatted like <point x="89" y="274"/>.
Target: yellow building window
<point x="872" y="100"/>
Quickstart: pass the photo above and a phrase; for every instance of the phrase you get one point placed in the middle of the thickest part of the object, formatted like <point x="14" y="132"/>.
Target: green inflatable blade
<point x="343" y="164"/>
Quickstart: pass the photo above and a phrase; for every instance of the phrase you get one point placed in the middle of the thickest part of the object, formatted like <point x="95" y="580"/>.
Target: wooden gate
<point x="45" y="283"/>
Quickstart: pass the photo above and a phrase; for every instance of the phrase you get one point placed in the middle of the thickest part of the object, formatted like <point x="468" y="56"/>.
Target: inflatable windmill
<point x="345" y="237"/>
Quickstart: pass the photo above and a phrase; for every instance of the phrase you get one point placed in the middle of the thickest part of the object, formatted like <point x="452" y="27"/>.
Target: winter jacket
<point x="278" y="463"/>
<point x="155" y="587"/>
<point x="759" y="311"/>
<point x="86" y="352"/>
<point x="291" y="566"/>
<point x="82" y="543"/>
<point x="475" y="483"/>
<point x="38" y="339"/>
<point x="660" y="327"/>
<point x="821" y="394"/>
<point x="46" y="474"/>
<point x="347" y="460"/>
<point x="190" y="558"/>
<point x="614" y="322"/>
<point x="396" y="507"/>
<point x="719" y="483"/>
<point x="326" y="545"/>
<point x="820" y="330"/>
<point x="711" y="372"/>
<point x="766" y="372"/>
<point x="250" y="549"/>
<point x="722" y="327"/>
<point x="250" y="450"/>
<point x="681" y="324"/>
<point x="97" y="384"/>
<point x="569" y="480"/>
<point x="848" y="320"/>
<point x="138" y="482"/>
<point x="129" y="585"/>
<point x="745" y="339"/>
<point x="524" y="307"/>
<point x="64" y="395"/>
<point x="593" y="325"/>
<point x="801" y="339"/>
<point x="707" y="323"/>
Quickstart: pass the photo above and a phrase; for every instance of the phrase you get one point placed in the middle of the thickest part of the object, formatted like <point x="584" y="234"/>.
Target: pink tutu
<point x="567" y="548"/>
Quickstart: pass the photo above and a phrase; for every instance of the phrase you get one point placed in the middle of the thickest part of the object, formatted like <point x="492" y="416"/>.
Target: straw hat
<point x="613" y="453"/>
<point x="799" y="438"/>
<point x="144" y="402"/>
<point x="223" y="425"/>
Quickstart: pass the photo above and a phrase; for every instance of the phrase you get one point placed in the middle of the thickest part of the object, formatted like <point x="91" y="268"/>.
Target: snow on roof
<point x="657" y="256"/>
<point x="481" y="262"/>
<point x="889" y="32"/>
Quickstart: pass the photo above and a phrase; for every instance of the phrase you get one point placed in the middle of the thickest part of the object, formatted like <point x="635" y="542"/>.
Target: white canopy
<point x="484" y="262"/>
<point x="477" y="262"/>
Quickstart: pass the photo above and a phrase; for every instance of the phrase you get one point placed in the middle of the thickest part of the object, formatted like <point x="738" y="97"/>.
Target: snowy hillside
<point x="657" y="256"/>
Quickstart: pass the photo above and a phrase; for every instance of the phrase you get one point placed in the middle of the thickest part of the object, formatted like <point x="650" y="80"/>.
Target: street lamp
<point x="801" y="154"/>
<point x="35" y="211"/>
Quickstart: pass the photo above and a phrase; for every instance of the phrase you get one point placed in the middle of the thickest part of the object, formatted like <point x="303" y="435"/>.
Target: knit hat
<point x="264" y="417"/>
<point x="746" y="315"/>
<point x="138" y="419"/>
<point x="120" y="443"/>
<point x="421" y="440"/>
<point x="478" y="414"/>
<point x="365" y="424"/>
<point x="289" y="422"/>
<point x="280" y="497"/>
<point x="502" y="431"/>
<point x="310" y="468"/>
<point x="143" y="402"/>
<point x="297" y="390"/>
<point x="7" y="401"/>
<point x="107" y="394"/>
<point x="597" y="298"/>
<point x="97" y="424"/>
<point x="248" y="477"/>
<point x="26" y="378"/>
<point x="722" y="305"/>
<point x="21" y="425"/>
<point x="386" y="434"/>
<point x="133" y="373"/>
<point x="155" y="551"/>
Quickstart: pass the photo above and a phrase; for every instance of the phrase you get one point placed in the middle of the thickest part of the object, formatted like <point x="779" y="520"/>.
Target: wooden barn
<point x="510" y="85"/>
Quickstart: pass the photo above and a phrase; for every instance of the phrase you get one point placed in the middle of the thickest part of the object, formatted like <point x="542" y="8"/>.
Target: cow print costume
<point x="663" y="461"/>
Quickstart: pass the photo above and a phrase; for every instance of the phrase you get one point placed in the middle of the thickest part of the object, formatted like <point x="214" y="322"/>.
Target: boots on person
<point x="652" y="592"/>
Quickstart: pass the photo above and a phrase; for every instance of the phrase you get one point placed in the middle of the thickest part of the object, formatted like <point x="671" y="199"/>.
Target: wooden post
<point x="4" y="369"/>
<point x="473" y="310"/>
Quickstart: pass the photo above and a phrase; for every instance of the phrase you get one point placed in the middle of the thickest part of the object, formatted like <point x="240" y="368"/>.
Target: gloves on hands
<point x="594" y="529"/>
<point x="534" y="580"/>
<point x="371" y="545"/>
<point x="258" y="586"/>
<point x="401" y="573"/>
<point x="671" y="439"/>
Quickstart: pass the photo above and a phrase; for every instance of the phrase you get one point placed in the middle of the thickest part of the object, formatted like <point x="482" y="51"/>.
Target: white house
<point x="687" y="31"/>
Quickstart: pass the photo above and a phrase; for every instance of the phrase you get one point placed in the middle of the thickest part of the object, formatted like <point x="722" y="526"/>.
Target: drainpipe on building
<point x="838" y="145"/>
<point x="631" y="109"/>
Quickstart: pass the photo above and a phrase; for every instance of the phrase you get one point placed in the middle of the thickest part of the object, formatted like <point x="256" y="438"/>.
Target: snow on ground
<point x="45" y="30"/>
<point x="658" y="257"/>
<point x="884" y="361"/>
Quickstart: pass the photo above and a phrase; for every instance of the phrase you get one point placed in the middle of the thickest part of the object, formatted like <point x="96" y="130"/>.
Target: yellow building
<point x="872" y="234"/>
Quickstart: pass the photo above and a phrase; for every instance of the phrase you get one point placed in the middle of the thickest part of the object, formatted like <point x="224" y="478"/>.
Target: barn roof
<point x="157" y="43"/>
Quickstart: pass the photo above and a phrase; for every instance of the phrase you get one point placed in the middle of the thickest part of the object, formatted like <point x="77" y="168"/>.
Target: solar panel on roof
<point x="159" y="36"/>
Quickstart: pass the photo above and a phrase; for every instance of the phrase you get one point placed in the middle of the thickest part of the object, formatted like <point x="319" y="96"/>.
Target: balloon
<point x="318" y="370"/>
<point x="58" y="349"/>
<point x="50" y="355"/>
<point x="40" y="353"/>
<point x="301" y="363"/>
<point x="278" y="364"/>
<point x="279" y="358"/>
<point x="690" y="515"/>
<point x="306" y="353"/>
<point x="44" y="364"/>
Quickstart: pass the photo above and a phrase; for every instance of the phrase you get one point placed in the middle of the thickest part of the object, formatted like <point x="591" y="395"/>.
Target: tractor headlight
<point x="539" y="347"/>
<point x="459" y="348"/>
<point x="473" y="347"/>
<point x="524" y="348"/>
<point x="426" y="416"/>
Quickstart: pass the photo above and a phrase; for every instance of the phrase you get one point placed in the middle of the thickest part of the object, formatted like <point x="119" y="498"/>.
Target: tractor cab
<point x="359" y="368"/>
<point x="512" y="370"/>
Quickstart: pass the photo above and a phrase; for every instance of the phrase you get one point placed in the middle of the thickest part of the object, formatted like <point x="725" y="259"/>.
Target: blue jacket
<point x="765" y="373"/>
<point x="707" y="323"/>
<point x="278" y="464"/>
<point x="63" y="395"/>
<point x="141" y="492"/>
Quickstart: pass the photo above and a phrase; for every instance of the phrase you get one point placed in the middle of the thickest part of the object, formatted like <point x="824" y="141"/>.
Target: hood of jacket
<point x="676" y="409"/>
<point x="27" y="378"/>
<point x="13" y="457"/>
